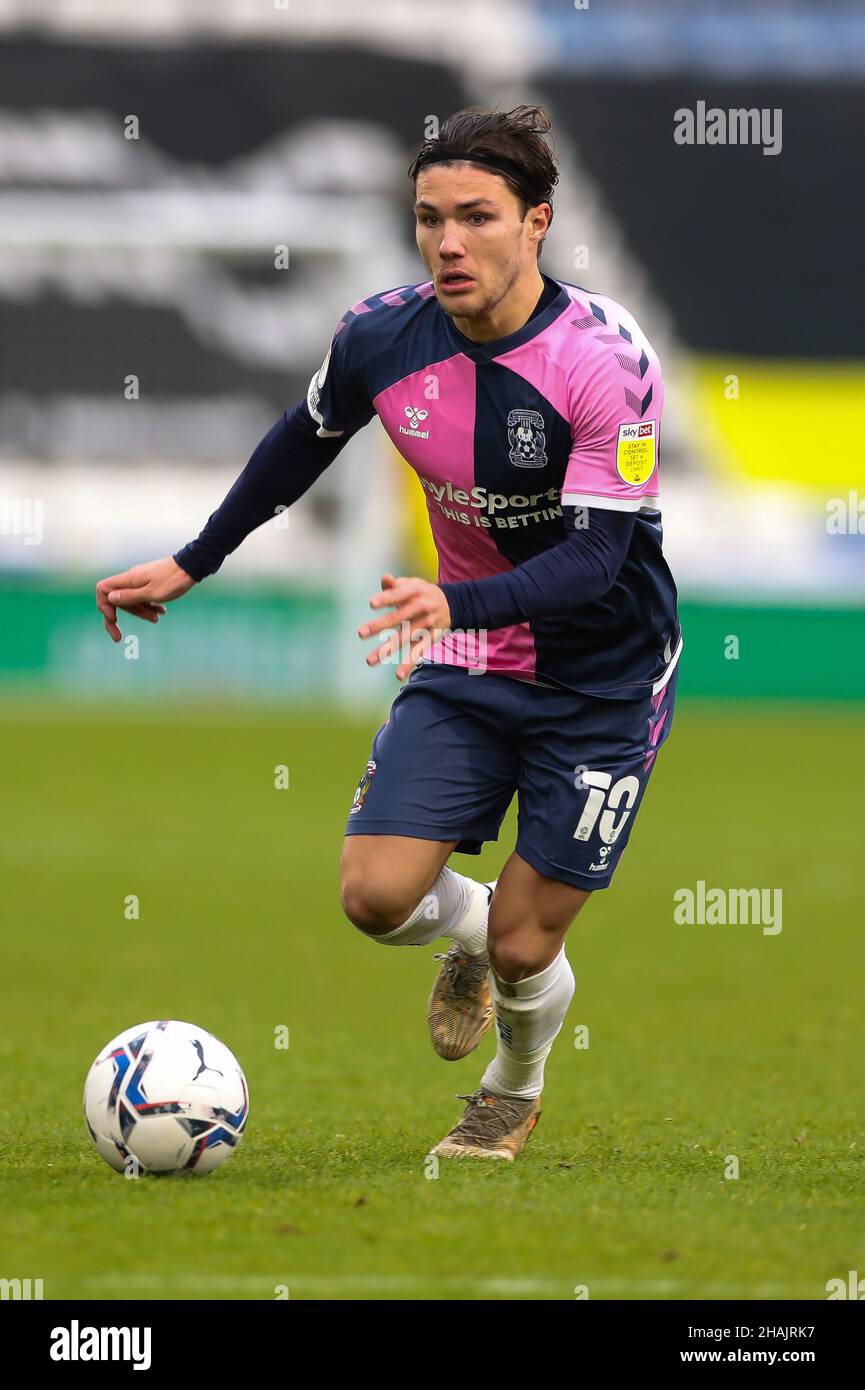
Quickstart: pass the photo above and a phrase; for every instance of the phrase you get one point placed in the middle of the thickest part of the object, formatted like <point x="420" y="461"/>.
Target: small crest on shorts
<point x="363" y="787"/>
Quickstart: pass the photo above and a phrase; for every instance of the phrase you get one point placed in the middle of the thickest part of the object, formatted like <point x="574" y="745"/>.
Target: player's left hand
<point x="417" y="604"/>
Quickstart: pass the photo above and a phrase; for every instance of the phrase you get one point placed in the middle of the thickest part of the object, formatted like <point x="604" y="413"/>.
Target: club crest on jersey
<point x="415" y="417"/>
<point x="527" y="439"/>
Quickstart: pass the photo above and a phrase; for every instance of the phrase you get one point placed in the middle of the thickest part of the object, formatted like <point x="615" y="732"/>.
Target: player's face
<point x="473" y="238"/>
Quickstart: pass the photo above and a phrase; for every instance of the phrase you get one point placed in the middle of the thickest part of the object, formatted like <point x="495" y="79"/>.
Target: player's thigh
<point x="442" y="772"/>
<point x="384" y="877"/>
<point x="585" y="767"/>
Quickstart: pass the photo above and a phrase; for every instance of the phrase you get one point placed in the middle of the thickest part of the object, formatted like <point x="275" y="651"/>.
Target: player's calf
<point x="502" y="1113"/>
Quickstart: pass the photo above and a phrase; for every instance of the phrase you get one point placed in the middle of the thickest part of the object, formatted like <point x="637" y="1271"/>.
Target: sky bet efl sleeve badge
<point x="636" y="451"/>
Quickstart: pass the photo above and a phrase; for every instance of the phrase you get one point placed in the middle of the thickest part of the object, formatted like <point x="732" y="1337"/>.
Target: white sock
<point x="455" y="906"/>
<point x="529" y="1015"/>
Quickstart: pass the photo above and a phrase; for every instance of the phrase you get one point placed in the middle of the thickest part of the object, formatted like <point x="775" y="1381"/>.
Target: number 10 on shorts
<point x="620" y="796"/>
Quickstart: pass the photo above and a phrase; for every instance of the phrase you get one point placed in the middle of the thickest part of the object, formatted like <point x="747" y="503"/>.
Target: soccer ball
<point x="163" y="1097"/>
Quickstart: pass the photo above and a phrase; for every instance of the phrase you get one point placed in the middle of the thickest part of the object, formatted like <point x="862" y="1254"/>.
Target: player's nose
<point x="450" y="244"/>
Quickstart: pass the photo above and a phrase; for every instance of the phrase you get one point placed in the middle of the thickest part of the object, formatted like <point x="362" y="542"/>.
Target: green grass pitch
<point x="704" y="1041"/>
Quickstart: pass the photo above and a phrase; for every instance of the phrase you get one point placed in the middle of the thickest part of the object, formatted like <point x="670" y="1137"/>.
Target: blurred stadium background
<point x="191" y="193"/>
<point x="159" y="161"/>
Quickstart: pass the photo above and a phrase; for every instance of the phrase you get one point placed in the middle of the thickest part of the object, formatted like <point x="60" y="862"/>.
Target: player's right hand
<point x="142" y="591"/>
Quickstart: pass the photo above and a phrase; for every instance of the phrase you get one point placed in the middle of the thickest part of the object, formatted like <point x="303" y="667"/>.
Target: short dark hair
<point x="515" y="136"/>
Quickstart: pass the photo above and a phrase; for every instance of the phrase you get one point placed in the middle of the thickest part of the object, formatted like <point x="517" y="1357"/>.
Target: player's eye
<point x="428" y="220"/>
<point x="478" y="218"/>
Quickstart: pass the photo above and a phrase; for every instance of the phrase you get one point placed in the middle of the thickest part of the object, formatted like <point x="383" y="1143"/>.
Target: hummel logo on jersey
<point x="415" y="418"/>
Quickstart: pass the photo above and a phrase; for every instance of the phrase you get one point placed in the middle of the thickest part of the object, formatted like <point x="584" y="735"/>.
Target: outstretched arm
<point x="283" y="466"/>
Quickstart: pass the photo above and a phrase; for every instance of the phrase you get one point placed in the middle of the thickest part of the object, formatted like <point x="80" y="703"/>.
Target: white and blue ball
<point x="166" y="1097"/>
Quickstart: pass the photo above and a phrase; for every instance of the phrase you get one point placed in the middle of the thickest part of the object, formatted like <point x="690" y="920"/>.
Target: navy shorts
<point x="456" y="748"/>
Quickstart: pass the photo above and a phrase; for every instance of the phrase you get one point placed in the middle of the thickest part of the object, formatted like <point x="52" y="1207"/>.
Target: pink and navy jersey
<point x="515" y="442"/>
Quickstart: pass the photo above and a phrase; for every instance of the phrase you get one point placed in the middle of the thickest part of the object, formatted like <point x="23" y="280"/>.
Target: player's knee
<point x="518" y="955"/>
<point x="373" y="906"/>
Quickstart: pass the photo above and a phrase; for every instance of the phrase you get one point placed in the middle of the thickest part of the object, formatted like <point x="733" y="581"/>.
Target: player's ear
<point x="539" y="218"/>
